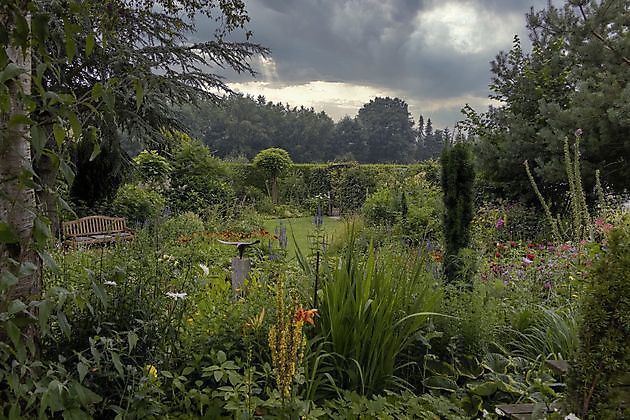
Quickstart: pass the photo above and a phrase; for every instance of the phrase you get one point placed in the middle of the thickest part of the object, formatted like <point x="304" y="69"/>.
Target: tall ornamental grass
<point x="372" y="305"/>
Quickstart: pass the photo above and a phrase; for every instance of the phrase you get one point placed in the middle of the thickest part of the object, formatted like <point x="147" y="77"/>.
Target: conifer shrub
<point x="601" y="373"/>
<point x="457" y="184"/>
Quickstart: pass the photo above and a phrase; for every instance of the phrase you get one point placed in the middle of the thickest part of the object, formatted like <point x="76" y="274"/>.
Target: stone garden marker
<point x="240" y="265"/>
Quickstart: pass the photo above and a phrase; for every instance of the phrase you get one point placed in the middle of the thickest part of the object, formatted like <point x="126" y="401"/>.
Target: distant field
<point x="302" y="227"/>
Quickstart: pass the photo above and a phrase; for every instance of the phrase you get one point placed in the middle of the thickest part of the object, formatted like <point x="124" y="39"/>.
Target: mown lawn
<point x="301" y="228"/>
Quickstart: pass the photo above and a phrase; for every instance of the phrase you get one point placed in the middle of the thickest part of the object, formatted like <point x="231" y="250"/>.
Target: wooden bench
<point x="521" y="411"/>
<point x="95" y="230"/>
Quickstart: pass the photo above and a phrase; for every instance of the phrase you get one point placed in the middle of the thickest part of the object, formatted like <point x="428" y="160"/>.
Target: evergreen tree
<point x="576" y="76"/>
<point x="457" y="185"/>
<point x="428" y="130"/>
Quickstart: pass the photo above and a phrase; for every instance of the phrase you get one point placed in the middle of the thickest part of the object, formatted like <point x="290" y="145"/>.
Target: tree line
<point x="383" y="131"/>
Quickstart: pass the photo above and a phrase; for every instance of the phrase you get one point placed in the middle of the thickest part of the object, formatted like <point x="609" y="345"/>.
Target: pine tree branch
<point x="607" y="45"/>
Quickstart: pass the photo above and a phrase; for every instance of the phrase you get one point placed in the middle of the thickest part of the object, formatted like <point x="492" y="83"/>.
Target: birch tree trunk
<point x="17" y="198"/>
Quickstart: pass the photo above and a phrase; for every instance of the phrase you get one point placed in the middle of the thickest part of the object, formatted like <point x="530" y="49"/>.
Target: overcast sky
<point x="336" y="55"/>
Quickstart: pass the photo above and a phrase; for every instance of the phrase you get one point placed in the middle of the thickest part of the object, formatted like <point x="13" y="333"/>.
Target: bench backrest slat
<point x="91" y="225"/>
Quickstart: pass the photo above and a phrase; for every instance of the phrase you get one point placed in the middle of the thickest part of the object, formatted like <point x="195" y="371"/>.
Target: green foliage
<point x="187" y="223"/>
<point x="507" y="221"/>
<point x="273" y="161"/>
<point x="350" y="186"/>
<point x="552" y="335"/>
<point x="198" y="180"/>
<point x="152" y="168"/>
<point x="138" y="204"/>
<point x="383" y="131"/>
<point x="382" y="208"/>
<point x="386" y="131"/>
<point x="603" y="359"/>
<point x="411" y="210"/>
<point x="573" y="77"/>
<point x="371" y="307"/>
<point x="457" y="181"/>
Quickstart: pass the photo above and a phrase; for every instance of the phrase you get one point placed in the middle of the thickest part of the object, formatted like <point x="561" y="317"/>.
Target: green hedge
<point x="347" y="184"/>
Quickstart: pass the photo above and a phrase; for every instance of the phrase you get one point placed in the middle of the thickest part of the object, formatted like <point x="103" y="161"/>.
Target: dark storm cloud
<point x="425" y="49"/>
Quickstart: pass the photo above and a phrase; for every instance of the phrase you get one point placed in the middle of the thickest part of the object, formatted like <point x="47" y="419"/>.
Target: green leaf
<point x="96" y="150"/>
<point x="26" y="269"/>
<point x="83" y="370"/>
<point x="75" y="414"/>
<point x="485" y="389"/>
<point x="11" y="71"/>
<point x="86" y="396"/>
<point x="63" y="323"/>
<point x="41" y="231"/>
<point x="139" y="93"/>
<point x="44" y="308"/>
<point x="221" y="357"/>
<point x="17" y="120"/>
<point x="39" y="27"/>
<point x="496" y="362"/>
<point x="67" y="172"/>
<point x="71" y="45"/>
<point x="14" y="333"/>
<point x="60" y="134"/>
<point x="97" y="91"/>
<point x="7" y="279"/>
<point x="440" y="382"/>
<point x="99" y="291"/>
<point x="38" y="140"/>
<point x="187" y="370"/>
<point x="7" y="234"/>
<point x="75" y="124"/>
<point x="49" y="261"/>
<point x="16" y="306"/>
<point x="65" y="206"/>
<point x="89" y="44"/>
<point x="132" y="340"/>
<point x="117" y="363"/>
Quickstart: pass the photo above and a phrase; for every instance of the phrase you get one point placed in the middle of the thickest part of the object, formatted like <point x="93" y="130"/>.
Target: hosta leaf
<point x="440" y="382"/>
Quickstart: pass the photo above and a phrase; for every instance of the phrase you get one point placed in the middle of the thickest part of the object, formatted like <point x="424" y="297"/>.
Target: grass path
<point x="302" y="227"/>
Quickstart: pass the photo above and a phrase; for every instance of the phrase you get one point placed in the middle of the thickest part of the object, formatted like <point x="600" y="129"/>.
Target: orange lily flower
<point x="306" y="315"/>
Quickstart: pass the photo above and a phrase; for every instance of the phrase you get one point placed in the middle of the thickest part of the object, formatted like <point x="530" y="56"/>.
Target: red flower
<point x="497" y="254"/>
<point x="530" y="256"/>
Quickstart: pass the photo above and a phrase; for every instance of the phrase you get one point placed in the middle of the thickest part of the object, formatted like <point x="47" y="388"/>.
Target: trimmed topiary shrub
<point x="273" y="162"/>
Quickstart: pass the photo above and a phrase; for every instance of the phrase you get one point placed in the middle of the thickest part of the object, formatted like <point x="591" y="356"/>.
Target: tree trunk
<point x="17" y="198"/>
<point x="274" y="189"/>
<point x="47" y="196"/>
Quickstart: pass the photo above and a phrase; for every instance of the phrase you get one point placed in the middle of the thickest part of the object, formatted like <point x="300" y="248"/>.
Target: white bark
<point x="17" y="199"/>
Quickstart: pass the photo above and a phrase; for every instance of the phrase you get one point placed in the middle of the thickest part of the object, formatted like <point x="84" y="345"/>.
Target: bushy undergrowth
<point x="601" y="373"/>
<point x="153" y="328"/>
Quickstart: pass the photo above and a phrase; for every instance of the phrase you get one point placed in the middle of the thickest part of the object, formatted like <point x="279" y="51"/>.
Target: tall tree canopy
<point x="243" y="126"/>
<point x="141" y="58"/>
<point x="576" y="76"/>
<point x="76" y="72"/>
<point x="387" y="130"/>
